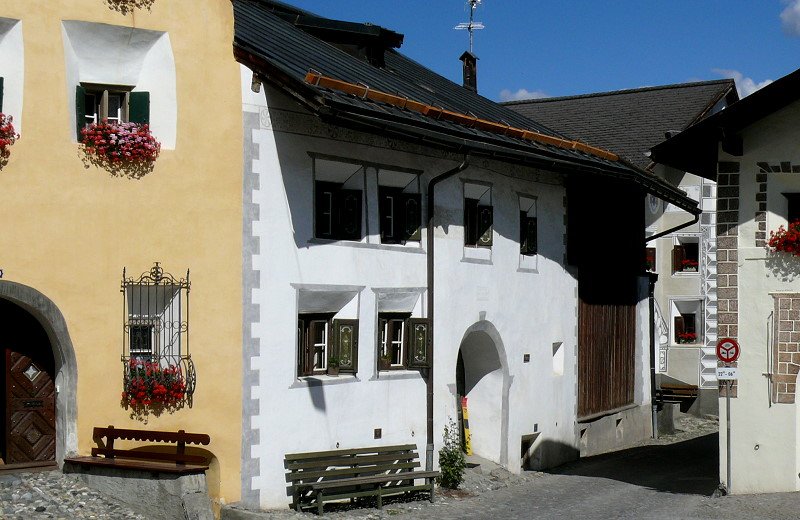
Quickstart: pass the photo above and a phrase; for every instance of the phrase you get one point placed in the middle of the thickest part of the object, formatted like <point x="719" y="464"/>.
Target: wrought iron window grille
<point x="156" y="324"/>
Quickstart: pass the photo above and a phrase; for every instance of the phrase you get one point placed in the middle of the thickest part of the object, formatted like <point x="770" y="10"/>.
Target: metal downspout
<point x="429" y="380"/>
<point x="651" y="279"/>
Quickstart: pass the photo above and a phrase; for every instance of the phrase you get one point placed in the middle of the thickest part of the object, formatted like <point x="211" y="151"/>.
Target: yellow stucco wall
<point x="68" y="231"/>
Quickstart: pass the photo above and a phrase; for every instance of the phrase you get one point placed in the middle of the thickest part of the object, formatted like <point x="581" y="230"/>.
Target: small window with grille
<point x="156" y="324"/>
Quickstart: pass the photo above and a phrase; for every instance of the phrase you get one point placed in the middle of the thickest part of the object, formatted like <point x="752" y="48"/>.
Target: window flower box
<point x="151" y="388"/>
<point x="127" y="6"/>
<point x="687" y="338"/>
<point x="8" y="136"/>
<point x="785" y="239"/>
<point x="689" y="266"/>
<point x="123" y="149"/>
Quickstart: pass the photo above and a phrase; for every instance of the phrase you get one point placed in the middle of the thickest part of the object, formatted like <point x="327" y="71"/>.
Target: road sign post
<point x="728" y="351"/>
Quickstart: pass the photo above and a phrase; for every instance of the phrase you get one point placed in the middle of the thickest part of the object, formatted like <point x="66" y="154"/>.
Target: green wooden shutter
<point x="1" y="94"/>
<point x="139" y="107"/>
<point x="345" y="345"/>
<point x="528" y="240"/>
<point x="470" y="222"/>
<point x="349" y="206"/>
<point x="678" y="254"/>
<point x="485" y="219"/>
<point x="650" y="258"/>
<point x="324" y="209"/>
<point x="418" y="343"/>
<point x="80" y="109"/>
<point x="388" y="216"/>
<point x="412" y="216"/>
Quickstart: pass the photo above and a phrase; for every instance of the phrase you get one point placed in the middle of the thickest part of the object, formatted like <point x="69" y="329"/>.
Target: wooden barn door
<point x="30" y="410"/>
<point x="606" y="346"/>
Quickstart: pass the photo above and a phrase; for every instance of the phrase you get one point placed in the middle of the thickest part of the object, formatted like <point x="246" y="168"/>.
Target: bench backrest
<point x="322" y="466"/>
<point x="180" y="439"/>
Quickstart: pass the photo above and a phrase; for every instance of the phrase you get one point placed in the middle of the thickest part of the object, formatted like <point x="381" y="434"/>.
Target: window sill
<point x="396" y="374"/>
<point x="683" y="345"/>
<point x="477" y="255"/>
<point x="685" y="273"/>
<point x="323" y="379"/>
<point x="409" y="247"/>
<point x="528" y="263"/>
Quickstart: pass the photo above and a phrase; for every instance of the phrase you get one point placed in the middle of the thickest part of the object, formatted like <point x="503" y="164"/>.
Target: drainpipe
<point x="652" y="278"/>
<point x="429" y="380"/>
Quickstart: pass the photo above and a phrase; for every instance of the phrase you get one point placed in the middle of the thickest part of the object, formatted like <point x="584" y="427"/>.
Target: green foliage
<point x="452" y="462"/>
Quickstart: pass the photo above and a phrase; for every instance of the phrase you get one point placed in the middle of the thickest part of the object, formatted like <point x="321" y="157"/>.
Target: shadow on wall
<point x="548" y="454"/>
<point x="297" y="174"/>
<point x="783" y="266"/>
<point x="688" y="468"/>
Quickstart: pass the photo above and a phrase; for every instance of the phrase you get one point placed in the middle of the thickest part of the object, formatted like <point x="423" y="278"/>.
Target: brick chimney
<point x="470" y="70"/>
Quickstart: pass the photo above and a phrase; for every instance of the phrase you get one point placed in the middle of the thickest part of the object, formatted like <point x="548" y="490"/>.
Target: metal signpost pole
<point x="728" y="351"/>
<point x="728" y="431"/>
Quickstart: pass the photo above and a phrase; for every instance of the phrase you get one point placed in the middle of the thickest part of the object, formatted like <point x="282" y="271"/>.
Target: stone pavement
<point x="51" y="494"/>
<point x="671" y="478"/>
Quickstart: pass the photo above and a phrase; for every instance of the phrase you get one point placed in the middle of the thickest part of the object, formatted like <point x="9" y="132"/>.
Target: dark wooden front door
<point x="30" y="410"/>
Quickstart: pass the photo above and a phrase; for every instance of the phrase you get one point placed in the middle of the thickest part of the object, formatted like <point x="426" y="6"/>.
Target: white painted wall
<point x="12" y="69"/>
<point x="764" y="435"/>
<point x="521" y="310"/>
<point x="116" y="55"/>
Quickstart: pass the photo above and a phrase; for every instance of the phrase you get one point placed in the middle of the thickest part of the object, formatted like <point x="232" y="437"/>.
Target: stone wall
<point x="727" y="254"/>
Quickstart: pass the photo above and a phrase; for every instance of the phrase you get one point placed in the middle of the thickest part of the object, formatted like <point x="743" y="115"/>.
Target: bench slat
<point x="360" y="460"/>
<point x="333" y="473"/>
<point x="355" y="451"/>
<point x="151" y="435"/>
<point x="141" y="465"/>
<point x="376" y="479"/>
<point x="151" y="455"/>
<point x="319" y="477"/>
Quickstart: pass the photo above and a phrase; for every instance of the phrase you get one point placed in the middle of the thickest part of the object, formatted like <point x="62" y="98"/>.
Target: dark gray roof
<point x="274" y="40"/>
<point x="696" y="149"/>
<point x="629" y="122"/>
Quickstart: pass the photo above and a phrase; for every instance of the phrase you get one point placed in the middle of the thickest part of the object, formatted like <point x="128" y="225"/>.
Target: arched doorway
<point x="28" y="396"/>
<point x="482" y="376"/>
<point x="38" y="396"/>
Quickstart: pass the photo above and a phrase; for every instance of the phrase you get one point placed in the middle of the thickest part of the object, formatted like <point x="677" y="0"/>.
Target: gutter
<point x="346" y="116"/>
<point x="430" y="257"/>
<point x="694" y="220"/>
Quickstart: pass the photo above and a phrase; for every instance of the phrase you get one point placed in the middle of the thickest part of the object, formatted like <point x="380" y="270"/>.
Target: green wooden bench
<point x="324" y="476"/>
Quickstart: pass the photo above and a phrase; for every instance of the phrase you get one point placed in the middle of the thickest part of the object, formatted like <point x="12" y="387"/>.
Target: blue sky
<point x="534" y="48"/>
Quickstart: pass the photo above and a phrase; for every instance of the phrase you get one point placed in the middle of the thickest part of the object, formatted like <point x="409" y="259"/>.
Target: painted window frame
<point x="686" y="248"/>
<point x="132" y="106"/>
<point x="388" y="322"/>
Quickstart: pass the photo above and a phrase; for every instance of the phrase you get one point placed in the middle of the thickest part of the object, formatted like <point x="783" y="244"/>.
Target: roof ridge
<point x="624" y="91"/>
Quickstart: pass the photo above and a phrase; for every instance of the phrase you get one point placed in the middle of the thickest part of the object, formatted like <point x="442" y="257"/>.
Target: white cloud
<point x="790" y="18"/>
<point x="744" y="85"/>
<point x="507" y="95"/>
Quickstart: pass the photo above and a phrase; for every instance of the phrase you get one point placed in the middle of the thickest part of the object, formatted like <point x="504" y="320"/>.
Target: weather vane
<point x="471" y="25"/>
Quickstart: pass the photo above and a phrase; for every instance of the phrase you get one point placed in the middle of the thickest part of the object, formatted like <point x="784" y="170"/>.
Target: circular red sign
<point x="728" y="350"/>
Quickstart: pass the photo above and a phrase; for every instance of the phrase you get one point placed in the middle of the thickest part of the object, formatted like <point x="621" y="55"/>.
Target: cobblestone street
<point x="670" y="478"/>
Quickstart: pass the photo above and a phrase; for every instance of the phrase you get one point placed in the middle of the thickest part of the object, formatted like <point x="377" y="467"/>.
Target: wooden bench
<point x="173" y="461"/>
<point x="677" y="391"/>
<point x="323" y="476"/>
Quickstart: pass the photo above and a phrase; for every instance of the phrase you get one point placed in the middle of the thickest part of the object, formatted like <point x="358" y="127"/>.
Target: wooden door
<point x="30" y="410"/>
